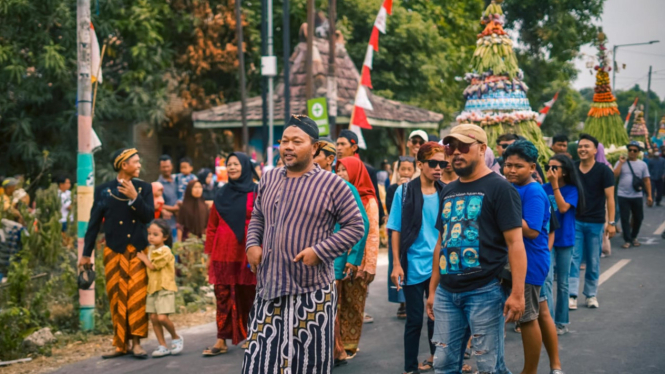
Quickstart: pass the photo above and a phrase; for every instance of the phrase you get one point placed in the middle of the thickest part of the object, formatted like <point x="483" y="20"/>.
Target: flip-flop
<point x="114" y="355"/>
<point x="625" y="245"/>
<point x="636" y="243"/>
<point x="338" y="362"/>
<point x="426" y="366"/>
<point x="141" y="354"/>
<point x="214" y="351"/>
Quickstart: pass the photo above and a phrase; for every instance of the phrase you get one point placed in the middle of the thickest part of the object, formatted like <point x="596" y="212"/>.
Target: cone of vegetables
<point x="639" y="130"/>
<point x="604" y="121"/>
<point x="496" y="95"/>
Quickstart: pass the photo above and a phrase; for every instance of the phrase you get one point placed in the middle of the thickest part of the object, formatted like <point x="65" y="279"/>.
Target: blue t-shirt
<point x="565" y="235"/>
<point x="536" y="213"/>
<point x="421" y="253"/>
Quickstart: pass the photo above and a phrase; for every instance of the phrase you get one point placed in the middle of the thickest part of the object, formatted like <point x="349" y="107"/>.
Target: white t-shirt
<point x="66" y="201"/>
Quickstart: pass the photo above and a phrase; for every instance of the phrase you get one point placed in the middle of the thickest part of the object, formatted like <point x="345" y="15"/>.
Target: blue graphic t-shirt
<point x="536" y="213"/>
<point x="472" y="219"/>
<point x="565" y="235"/>
<point x="419" y="255"/>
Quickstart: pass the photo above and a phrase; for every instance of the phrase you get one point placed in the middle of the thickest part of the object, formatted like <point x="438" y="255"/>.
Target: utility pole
<point x="241" y="62"/>
<point x="286" y="34"/>
<point x="646" y="110"/>
<point x="271" y="65"/>
<point x="85" y="165"/>
<point x="264" y="81"/>
<point x="309" y="80"/>
<point x="332" y="80"/>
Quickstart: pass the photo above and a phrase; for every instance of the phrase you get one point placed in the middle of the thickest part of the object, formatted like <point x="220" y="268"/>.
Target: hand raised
<point x="127" y="188"/>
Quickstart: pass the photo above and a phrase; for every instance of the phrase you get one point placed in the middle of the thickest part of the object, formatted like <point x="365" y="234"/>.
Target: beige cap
<point x="467" y="133"/>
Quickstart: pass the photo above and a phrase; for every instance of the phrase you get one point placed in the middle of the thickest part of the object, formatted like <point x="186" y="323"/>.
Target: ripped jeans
<point x="458" y="316"/>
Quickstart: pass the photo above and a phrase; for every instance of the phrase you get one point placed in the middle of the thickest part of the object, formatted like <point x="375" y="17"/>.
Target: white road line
<point x="612" y="270"/>
<point x="660" y="229"/>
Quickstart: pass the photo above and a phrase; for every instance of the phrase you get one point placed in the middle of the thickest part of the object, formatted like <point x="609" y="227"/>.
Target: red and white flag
<point x="543" y="112"/>
<point x="95" y="57"/>
<point x="631" y="109"/>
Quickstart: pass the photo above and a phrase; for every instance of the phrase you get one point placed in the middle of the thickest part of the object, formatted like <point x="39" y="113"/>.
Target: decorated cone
<point x="496" y="96"/>
<point x="639" y="130"/>
<point x="604" y="121"/>
<point x="659" y="136"/>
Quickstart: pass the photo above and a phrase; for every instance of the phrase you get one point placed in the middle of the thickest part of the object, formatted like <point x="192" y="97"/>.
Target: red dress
<point x="229" y="272"/>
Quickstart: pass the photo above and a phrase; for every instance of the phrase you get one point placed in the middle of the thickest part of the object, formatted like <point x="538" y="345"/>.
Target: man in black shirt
<point x="480" y="225"/>
<point x="598" y="182"/>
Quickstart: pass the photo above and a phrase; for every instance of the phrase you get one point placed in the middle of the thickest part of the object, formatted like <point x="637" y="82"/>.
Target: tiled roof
<point x="386" y="113"/>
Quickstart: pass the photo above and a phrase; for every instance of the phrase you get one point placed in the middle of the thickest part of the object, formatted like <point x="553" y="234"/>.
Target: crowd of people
<point x="474" y="242"/>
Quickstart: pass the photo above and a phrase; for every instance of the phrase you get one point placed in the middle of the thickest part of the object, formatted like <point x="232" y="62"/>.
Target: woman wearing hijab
<point x="353" y="292"/>
<point x="228" y="269"/>
<point x="193" y="214"/>
<point x="158" y="196"/>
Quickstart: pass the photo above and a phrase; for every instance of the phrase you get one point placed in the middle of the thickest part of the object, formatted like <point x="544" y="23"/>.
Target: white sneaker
<point x="177" y="345"/>
<point x="572" y="303"/>
<point x="161" y="351"/>
<point x="592" y="302"/>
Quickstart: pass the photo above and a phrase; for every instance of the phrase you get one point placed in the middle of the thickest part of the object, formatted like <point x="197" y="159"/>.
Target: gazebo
<point x="387" y="113"/>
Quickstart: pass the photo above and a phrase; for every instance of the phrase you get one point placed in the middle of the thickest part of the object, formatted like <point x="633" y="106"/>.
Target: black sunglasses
<point x="633" y="150"/>
<point x="417" y="142"/>
<point x="463" y="148"/>
<point x="434" y="163"/>
<point x="503" y="145"/>
<point x="553" y="167"/>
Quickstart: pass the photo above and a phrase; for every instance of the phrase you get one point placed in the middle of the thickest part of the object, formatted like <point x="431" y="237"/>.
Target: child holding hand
<point x="161" y="286"/>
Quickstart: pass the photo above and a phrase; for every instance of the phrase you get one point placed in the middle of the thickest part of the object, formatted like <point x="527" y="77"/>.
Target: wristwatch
<point x="612" y="223"/>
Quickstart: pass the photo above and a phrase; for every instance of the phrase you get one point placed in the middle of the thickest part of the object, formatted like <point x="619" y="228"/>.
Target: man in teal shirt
<point x="347" y="264"/>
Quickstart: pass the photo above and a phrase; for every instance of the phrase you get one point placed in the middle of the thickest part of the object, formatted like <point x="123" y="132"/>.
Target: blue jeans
<point x="588" y="245"/>
<point x="477" y="313"/>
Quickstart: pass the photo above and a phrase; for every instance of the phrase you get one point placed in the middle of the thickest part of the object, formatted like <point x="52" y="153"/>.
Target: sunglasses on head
<point x="553" y="167"/>
<point x="463" y="148"/>
<point x="434" y="163"/>
<point x="633" y="150"/>
<point x="417" y="142"/>
<point x="406" y="159"/>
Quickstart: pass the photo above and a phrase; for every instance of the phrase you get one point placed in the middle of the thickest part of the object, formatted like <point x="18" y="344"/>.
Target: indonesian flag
<point x="631" y="109"/>
<point x="543" y="112"/>
<point x="96" y="57"/>
<point x="361" y="141"/>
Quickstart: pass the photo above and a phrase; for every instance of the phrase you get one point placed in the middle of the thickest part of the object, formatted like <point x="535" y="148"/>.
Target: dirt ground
<point x="73" y="348"/>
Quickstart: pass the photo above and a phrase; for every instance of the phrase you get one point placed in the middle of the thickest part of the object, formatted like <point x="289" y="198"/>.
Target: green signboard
<point x="317" y="109"/>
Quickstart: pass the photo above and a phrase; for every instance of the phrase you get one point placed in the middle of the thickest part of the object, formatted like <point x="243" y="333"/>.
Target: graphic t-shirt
<point x="419" y="255"/>
<point x="595" y="181"/>
<point x="536" y="212"/>
<point x="565" y="235"/>
<point x="472" y="219"/>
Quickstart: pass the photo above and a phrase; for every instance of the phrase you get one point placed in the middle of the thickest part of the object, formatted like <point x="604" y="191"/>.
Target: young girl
<point x="161" y="286"/>
<point x="406" y="167"/>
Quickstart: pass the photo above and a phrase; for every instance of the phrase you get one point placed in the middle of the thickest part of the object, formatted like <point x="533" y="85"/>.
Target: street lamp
<point x="614" y="57"/>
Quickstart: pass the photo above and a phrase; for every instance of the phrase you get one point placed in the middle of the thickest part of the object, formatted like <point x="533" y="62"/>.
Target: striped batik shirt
<point x="292" y="214"/>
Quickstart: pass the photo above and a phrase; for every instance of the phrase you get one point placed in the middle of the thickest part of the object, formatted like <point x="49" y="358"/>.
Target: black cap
<point x="350" y="135"/>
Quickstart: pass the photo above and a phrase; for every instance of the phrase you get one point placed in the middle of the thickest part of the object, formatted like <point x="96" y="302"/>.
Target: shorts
<point x="161" y="302"/>
<point x="531" y="304"/>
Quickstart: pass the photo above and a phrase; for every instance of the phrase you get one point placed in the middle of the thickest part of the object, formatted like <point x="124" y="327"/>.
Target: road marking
<point x="660" y="229"/>
<point x="612" y="270"/>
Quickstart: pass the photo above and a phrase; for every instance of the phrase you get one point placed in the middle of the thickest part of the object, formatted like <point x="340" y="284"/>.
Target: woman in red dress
<point x="228" y="269"/>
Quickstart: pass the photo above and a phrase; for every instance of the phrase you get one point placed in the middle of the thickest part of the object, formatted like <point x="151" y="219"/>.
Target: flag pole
<point x="99" y="69"/>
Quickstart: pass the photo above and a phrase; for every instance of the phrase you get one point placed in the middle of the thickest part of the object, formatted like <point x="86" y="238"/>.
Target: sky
<point x="631" y="21"/>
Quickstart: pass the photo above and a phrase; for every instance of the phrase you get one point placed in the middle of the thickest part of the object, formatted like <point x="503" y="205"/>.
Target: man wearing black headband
<point x="125" y="206"/>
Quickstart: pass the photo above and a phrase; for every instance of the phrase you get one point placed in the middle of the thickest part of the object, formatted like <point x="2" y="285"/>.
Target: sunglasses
<point x="415" y="141"/>
<point x="553" y="167"/>
<point x="633" y="150"/>
<point x="463" y="148"/>
<point x="406" y="159"/>
<point x="504" y="145"/>
<point x="434" y="163"/>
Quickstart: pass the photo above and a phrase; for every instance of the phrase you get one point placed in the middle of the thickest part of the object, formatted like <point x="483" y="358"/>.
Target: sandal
<point x="466" y="368"/>
<point x="401" y="312"/>
<point x="625" y="245"/>
<point x="426" y="366"/>
<point x="214" y="351"/>
<point x="115" y="354"/>
<point x="467" y="354"/>
<point x="636" y="243"/>
<point x="339" y="362"/>
<point x="517" y="328"/>
<point x="139" y="353"/>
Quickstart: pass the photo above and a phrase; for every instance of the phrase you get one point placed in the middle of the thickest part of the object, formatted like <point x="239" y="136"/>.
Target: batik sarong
<point x="292" y="334"/>
<point x="233" y="306"/>
<point x="351" y="312"/>
<point x="127" y="288"/>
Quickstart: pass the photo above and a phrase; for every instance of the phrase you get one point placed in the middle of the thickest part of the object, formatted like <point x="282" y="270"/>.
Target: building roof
<point x="386" y="113"/>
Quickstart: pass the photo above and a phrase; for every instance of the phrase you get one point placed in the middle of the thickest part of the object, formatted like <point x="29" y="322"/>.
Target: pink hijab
<point x="600" y="156"/>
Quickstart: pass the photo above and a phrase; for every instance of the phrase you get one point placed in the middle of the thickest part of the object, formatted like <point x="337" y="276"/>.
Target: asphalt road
<point x="625" y="335"/>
